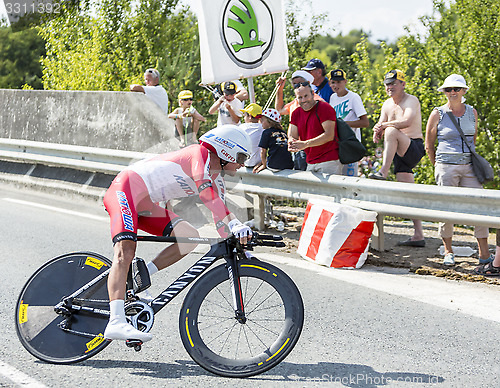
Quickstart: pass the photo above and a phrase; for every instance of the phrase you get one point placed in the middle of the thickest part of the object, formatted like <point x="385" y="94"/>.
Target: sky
<point x="385" y="20"/>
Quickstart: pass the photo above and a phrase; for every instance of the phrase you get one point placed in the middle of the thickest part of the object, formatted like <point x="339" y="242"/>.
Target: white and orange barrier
<point x="336" y="235"/>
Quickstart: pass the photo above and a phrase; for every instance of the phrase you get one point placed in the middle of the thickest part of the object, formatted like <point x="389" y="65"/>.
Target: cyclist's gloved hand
<point x="240" y="231"/>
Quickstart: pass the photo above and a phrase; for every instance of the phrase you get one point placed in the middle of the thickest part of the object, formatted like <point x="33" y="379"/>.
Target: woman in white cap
<point x="451" y="158"/>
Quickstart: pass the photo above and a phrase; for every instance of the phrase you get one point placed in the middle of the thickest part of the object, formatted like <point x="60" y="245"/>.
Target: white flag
<point x="241" y="39"/>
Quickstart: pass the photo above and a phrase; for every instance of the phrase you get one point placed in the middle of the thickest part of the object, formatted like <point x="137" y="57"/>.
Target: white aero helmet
<point x="230" y="143"/>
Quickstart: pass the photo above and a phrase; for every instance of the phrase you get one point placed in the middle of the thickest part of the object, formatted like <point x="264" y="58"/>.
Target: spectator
<point x="400" y="125"/>
<point x="320" y="84"/>
<point x="187" y="119"/>
<point x="153" y="89"/>
<point x="312" y="129"/>
<point x="452" y="160"/>
<point x="228" y="106"/>
<point x="349" y="107"/>
<point x="253" y="128"/>
<point x="491" y="268"/>
<point x="241" y="92"/>
<point x="274" y="144"/>
<point x="299" y="77"/>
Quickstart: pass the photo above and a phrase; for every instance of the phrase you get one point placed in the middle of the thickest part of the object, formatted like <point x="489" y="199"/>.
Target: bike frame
<point x="228" y="249"/>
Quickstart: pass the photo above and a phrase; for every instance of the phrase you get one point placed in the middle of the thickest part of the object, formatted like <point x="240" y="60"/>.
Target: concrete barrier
<point x="117" y="120"/>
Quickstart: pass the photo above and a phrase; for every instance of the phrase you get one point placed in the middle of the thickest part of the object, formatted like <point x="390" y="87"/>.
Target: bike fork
<point x="234" y="278"/>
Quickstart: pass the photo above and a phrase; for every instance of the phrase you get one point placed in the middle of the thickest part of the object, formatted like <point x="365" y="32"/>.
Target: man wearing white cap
<point x="299" y="77"/>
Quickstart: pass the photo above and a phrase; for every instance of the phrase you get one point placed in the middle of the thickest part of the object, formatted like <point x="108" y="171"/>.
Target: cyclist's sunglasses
<point x="241" y="158"/>
<point x="448" y="90"/>
<point x="299" y="84"/>
<point x="186" y="99"/>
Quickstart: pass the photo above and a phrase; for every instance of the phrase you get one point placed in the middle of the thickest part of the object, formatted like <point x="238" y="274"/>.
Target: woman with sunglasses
<point x="187" y="119"/>
<point x="452" y="159"/>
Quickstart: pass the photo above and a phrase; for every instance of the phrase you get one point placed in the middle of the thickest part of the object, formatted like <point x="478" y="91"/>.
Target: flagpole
<point x="251" y="90"/>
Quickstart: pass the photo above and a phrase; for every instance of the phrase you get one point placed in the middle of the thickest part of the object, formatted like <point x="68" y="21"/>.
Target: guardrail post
<point x="259" y="202"/>
<point x="378" y="234"/>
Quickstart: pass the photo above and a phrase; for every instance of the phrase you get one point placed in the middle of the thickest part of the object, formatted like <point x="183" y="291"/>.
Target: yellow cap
<point x="253" y="109"/>
<point x="394" y="75"/>
<point x="184" y="94"/>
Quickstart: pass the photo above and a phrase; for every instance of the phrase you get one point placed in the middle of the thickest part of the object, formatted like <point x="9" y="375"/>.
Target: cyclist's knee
<point x="185" y="229"/>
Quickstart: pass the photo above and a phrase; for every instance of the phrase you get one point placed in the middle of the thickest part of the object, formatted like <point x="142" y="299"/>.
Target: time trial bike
<point x="239" y="319"/>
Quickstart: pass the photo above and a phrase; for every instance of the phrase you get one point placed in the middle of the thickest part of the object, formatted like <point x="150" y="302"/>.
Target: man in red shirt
<point x="312" y="129"/>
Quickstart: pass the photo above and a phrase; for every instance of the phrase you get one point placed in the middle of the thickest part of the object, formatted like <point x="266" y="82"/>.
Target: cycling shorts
<point x="130" y="208"/>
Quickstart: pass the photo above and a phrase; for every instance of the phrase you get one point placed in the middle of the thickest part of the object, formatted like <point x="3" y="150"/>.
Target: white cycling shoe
<point x="117" y="330"/>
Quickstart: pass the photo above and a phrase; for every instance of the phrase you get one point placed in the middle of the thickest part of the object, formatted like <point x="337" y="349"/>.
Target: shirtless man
<point x="400" y="125"/>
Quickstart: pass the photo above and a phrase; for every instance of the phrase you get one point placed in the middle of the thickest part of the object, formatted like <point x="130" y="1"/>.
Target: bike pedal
<point x="136" y="344"/>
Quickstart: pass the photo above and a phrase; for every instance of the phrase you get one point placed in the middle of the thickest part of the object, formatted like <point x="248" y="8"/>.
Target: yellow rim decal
<point x="93" y="262"/>
<point x="23" y="313"/>
<point x="279" y="350"/>
<point x="189" y="335"/>
<point x="95" y="342"/>
<point x="254" y="266"/>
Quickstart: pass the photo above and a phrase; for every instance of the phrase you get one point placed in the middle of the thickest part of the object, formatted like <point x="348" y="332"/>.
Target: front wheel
<point x="218" y="342"/>
<point x="55" y="338"/>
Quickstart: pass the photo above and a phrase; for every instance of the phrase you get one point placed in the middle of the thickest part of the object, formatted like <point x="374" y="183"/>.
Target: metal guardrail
<point x="433" y="203"/>
<point x="103" y="160"/>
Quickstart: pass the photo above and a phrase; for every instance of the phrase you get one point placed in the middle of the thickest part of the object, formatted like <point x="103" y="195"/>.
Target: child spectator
<point x="253" y="128"/>
<point x="274" y="143"/>
<point x="187" y="119"/>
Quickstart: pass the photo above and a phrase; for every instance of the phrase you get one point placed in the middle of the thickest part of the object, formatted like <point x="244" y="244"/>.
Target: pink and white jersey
<point x="139" y="188"/>
<point x="179" y="174"/>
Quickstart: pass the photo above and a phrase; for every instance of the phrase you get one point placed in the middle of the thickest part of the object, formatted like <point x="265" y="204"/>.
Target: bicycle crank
<point x="139" y="315"/>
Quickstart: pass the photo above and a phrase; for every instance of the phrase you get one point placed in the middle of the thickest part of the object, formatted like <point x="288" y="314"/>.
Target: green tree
<point x="109" y="44"/>
<point x="340" y="49"/>
<point x="20" y="54"/>
<point x="462" y="39"/>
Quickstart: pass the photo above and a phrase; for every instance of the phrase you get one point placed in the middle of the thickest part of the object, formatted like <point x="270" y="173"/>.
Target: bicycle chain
<point x="80" y="333"/>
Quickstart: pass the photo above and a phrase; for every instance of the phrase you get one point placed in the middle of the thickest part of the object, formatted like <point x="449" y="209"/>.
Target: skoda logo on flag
<point x="247" y="32"/>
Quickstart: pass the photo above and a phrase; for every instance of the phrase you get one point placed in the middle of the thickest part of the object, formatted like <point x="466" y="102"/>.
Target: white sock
<point x="117" y="310"/>
<point x="152" y="268"/>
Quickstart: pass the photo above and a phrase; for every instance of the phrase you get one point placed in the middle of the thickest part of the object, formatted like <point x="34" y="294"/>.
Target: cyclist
<point x="132" y="204"/>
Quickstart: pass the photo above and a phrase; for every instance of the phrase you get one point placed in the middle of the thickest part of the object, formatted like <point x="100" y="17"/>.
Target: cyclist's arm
<point x="216" y="205"/>
<point x="225" y="221"/>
